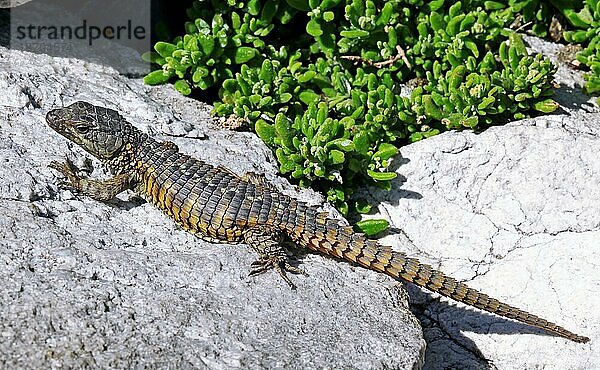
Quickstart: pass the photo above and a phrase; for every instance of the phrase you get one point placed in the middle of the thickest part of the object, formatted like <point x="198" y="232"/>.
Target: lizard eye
<point x="82" y="129"/>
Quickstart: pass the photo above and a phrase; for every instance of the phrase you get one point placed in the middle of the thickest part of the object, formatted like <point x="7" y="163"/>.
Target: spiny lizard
<point x="219" y="206"/>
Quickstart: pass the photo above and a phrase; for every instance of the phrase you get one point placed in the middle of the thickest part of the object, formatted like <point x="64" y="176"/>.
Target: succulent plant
<point x="586" y="23"/>
<point x="321" y="81"/>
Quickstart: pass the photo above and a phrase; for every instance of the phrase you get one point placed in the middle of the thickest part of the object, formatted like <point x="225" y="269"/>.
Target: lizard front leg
<point x="272" y="255"/>
<point x="102" y="190"/>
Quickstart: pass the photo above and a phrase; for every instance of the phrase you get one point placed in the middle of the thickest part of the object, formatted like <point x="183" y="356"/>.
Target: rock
<point x="514" y="211"/>
<point x="88" y="284"/>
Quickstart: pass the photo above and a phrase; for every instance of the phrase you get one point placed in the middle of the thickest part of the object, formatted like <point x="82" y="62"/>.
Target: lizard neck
<point x="125" y="160"/>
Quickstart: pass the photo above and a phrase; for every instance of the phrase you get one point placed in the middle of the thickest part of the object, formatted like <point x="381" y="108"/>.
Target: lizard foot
<point x="280" y="264"/>
<point x="69" y="170"/>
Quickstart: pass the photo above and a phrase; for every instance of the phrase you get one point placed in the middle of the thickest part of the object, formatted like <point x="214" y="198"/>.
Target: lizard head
<point x="100" y="131"/>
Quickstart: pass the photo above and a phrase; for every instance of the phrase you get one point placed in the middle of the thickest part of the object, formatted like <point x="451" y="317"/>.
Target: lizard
<point x="217" y="205"/>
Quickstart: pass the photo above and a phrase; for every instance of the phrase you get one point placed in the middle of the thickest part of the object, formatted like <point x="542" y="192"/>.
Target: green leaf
<point x="473" y="47"/>
<point x="199" y="73"/>
<point x="230" y="85"/>
<point x="266" y="73"/>
<point x="254" y="99"/>
<point x="336" y="156"/>
<point x="328" y="16"/>
<point x="285" y="163"/>
<point x="343" y="144"/>
<point x="593" y="84"/>
<point x="454" y="9"/>
<point x="435" y="4"/>
<point x="470" y="122"/>
<point x="386" y="14"/>
<point x="372" y="227"/>
<point x="362" y="206"/>
<point x="244" y="54"/>
<point x="183" y="87"/>
<point x="361" y="142"/>
<point x="522" y="96"/>
<point x="327" y="43"/>
<point x="431" y="109"/>
<point x="342" y="207"/>
<point x="285" y="97"/>
<point x="382" y="176"/>
<point x="253" y="7"/>
<point x="306" y="76"/>
<point x="156" y="77"/>
<point x="313" y="28"/>
<point x="583" y="19"/>
<point x="546" y="106"/>
<point x="486" y="102"/>
<point x="152" y="57"/>
<point x="516" y="41"/>
<point x="351" y="34"/>
<point x="437" y="21"/>
<point x="236" y="21"/>
<point x="207" y="43"/>
<point x="202" y="25"/>
<point x="269" y="10"/>
<point x="386" y="151"/>
<point x="453" y="27"/>
<point x="165" y="49"/>
<point x="309" y="97"/>
<point x="284" y="131"/>
<point x="265" y="131"/>
<point x="328" y="4"/>
<point x="456" y="76"/>
<point x="493" y="5"/>
<point x="576" y="37"/>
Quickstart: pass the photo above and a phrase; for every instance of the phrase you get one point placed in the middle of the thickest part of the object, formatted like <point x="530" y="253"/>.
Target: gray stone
<point x="118" y="285"/>
<point x="515" y="212"/>
<point x="512" y="210"/>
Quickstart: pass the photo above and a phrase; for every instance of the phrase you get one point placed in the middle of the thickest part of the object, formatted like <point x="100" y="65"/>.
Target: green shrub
<point x="586" y="21"/>
<point x="320" y="80"/>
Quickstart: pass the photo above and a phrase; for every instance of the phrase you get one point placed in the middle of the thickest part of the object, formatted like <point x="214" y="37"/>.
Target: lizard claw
<point x="67" y="185"/>
<point x="67" y="169"/>
<point x="280" y="264"/>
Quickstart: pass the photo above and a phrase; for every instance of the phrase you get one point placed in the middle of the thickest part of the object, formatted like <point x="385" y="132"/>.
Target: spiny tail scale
<point x="326" y="236"/>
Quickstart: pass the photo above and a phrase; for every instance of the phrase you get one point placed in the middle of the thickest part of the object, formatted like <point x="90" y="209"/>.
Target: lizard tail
<point x="322" y="234"/>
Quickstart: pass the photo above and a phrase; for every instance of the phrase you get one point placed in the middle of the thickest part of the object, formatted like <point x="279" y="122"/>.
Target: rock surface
<point x="515" y="212"/>
<point x="512" y="210"/>
<point x="87" y="284"/>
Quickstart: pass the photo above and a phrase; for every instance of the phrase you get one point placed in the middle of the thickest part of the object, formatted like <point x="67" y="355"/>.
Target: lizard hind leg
<point x="267" y="243"/>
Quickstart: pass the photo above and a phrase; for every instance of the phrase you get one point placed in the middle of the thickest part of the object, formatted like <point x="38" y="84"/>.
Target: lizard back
<point x="206" y="200"/>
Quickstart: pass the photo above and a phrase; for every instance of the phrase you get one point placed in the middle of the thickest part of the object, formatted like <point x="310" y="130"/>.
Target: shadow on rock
<point x="572" y="99"/>
<point x="396" y="192"/>
<point x="128" y="204"/>
<point x="444" y="321"/>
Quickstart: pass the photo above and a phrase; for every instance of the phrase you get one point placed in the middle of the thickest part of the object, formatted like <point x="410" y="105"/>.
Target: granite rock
<point x="118" y="285"/>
